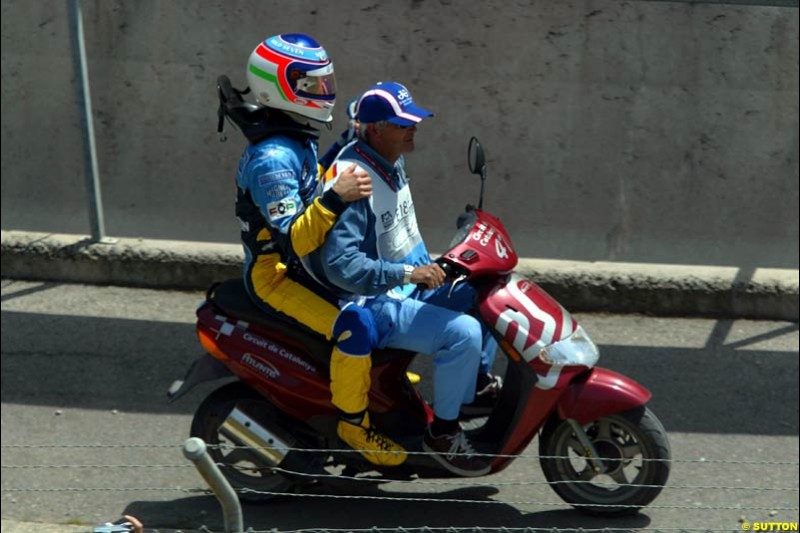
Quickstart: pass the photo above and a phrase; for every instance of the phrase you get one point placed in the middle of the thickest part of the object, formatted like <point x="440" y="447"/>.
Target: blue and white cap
<point x="392" y="102"/>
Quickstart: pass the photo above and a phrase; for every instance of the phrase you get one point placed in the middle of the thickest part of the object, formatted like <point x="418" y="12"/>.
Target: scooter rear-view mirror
<point x="475" y="157"/>
<point x="477" y="164"/>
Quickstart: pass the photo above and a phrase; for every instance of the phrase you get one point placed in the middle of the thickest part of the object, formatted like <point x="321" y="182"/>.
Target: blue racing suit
<point x="284" y="217"/>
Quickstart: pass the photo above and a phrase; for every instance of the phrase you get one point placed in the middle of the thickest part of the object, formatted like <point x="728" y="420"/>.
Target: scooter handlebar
<point x="451" y="271"/>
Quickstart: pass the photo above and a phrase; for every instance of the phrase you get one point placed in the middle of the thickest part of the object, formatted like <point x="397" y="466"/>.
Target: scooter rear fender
<point x="601" y="393"/>
<point x="203" y="369"/>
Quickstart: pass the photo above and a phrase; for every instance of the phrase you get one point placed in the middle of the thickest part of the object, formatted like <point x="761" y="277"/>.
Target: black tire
<point x="242" y="468"/>
<point x="636" y="452"/>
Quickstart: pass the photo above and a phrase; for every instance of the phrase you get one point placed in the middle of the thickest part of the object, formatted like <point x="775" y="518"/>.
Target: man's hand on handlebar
<point x="430" y="276"/>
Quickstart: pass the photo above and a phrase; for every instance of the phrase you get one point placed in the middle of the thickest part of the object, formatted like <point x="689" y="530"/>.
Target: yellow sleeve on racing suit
<point x="308" y="231"/>
<point x="281" y="216"/>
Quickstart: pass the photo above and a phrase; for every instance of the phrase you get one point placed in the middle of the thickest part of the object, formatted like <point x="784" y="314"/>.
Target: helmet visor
<point x="318" y="83"/>
<point x="321" y="87"/>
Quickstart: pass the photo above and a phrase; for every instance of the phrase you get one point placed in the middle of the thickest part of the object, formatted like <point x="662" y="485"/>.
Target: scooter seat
<point x="231" y="298"/>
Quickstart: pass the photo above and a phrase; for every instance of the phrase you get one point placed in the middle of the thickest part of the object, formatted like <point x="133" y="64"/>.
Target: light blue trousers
<point x="462" y="299"/>
<point x="429" y="322"/>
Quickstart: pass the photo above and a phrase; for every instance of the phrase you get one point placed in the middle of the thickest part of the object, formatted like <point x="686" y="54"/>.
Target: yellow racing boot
<point x="376" y="447"/>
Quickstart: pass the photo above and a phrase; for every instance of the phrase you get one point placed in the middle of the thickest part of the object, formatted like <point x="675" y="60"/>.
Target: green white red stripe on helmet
<point x="292" y="72"/>
<point x="269" y="77"/>
<point x="282" y="63"/>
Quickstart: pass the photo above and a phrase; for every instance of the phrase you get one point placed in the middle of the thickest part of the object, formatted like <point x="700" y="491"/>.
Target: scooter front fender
<point x="203" y="369"/>
<point x="601" y="393"/>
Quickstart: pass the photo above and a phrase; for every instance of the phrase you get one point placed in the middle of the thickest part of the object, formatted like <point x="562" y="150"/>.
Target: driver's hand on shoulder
<point x="353" y="184"/>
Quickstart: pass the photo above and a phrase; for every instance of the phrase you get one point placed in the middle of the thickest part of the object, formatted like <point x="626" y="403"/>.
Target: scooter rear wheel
<point x="245" y="470"/>
<point x="634" y="448"/>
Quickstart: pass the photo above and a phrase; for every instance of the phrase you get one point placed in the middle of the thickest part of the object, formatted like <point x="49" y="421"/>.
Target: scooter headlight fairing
<point x="577" y="349"/>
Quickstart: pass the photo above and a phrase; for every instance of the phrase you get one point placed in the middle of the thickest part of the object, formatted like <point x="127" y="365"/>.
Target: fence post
<point x="194" y="449"/>
<point x="96" y="218"/>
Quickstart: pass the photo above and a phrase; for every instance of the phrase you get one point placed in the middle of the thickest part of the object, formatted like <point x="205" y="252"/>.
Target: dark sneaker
<point x="489" y="387"/>
<point x="455" y="453"/>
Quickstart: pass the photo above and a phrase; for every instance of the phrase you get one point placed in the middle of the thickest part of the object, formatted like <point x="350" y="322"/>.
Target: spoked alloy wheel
<point x="635" y="452"/>
<point x="243" y="468"/>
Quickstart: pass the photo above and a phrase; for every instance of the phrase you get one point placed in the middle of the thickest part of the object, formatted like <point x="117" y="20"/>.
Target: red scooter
<point x="273" y="428"/>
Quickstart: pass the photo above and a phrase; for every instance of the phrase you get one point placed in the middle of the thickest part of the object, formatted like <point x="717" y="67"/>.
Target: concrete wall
<point x="618" y="131"/>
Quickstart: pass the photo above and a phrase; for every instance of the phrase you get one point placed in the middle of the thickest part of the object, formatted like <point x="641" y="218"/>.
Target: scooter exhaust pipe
<point x="245" y="431"/>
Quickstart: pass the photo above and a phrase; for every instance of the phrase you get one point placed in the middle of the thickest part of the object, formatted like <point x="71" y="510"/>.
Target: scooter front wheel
<point x="635" y="452"/>
<point x="248" y="473"/>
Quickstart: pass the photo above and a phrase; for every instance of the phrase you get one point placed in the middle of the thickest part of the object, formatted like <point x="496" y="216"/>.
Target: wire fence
<point x="499" y="530"/>
<point x="426" y="529"/>
<point x="768" y="526"/>
<point x="768" y="499"/>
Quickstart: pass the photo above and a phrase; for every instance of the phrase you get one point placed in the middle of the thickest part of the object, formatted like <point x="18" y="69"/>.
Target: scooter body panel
<point x="601" y="393"/>
<point x="286" y="374"/>
<point x="292" y="378"/>
<point x="524" y="315"/>
<point x="485" y="248"/>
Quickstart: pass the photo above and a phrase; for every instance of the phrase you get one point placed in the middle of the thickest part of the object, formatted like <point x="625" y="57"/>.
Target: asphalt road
<point x="84" y="371"/>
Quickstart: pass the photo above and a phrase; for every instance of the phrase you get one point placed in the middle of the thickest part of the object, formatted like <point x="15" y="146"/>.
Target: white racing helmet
<point x="292" y="72"/>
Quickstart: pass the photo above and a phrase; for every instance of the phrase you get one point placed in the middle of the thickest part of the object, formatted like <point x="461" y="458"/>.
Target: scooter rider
<point x="283" y="217"/>
<point x="374" y="256"/>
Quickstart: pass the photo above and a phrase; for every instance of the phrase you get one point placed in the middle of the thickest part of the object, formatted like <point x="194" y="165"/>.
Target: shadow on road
<point x="29" y="291"/>
<point x="100" y="363"/>
<point x="293" y="513"/>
